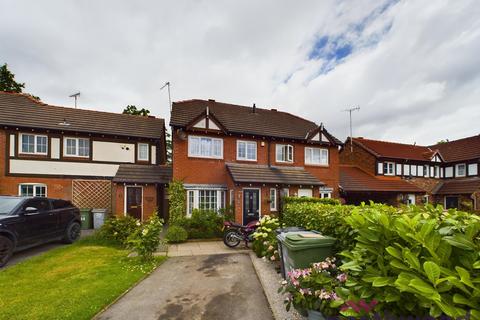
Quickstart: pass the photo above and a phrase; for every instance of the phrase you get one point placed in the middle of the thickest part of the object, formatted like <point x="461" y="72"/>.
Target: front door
<point x="251" y="205"/>
<point x="451" y="202"/>
<point x="134" y="202"/>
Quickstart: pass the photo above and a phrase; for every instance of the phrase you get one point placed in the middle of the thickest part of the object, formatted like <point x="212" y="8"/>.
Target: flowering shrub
<point x="117" y="229"/>
<point x="265" y="241"/>
<point x="203" y="224"/>
<point x="316" y="288"/>
<point x="146" y="237"/>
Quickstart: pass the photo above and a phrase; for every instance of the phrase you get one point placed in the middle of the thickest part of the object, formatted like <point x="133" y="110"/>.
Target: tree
<point x="7" y="81"/>
<point x="131" y="109"/>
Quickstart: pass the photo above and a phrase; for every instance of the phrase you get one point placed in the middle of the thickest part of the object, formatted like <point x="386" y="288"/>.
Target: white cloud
<point x="413" y="65"/>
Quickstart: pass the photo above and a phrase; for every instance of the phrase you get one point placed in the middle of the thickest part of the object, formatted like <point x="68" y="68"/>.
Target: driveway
<point x="213" y="287"/>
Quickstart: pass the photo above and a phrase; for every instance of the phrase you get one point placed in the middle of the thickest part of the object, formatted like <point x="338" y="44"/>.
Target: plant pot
<point x="315" y="315"/>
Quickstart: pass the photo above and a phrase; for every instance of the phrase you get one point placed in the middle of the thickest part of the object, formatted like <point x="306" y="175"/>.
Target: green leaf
<point x="460" y="241"/>
<point x="459" y="299"/>
<point x="381" y="281"/>
<point x="412" y="259"/>
<point x="432" y="270"/>
<point x="425" y="289"/>
<point x="399" y="265"/>
<point x="464" y="276"/>
<point x="476" y="265"/>
<point x="394" y="252"/>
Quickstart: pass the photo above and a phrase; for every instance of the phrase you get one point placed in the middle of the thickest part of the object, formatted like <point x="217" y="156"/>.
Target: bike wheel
<point x="231" y="238"/>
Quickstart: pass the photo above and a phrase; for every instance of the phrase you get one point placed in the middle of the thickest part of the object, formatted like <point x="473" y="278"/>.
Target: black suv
<point x="28" y="222"/>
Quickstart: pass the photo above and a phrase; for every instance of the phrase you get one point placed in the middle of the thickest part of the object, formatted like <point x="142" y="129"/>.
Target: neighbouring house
<point x="249" y="158"/>
<point x="388" y="172"/>
<point x="95" y="159"/>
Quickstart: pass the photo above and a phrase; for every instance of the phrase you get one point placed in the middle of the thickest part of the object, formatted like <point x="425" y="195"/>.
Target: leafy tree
<point x="8" y="83"/>
<point x="131" y="109"/>
<point x="442" y="141"/>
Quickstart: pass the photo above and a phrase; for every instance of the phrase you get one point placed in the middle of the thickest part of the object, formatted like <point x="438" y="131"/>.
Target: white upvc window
<point x="413" y="170"/>
<point x="205" y="199"/>
<point x="247" y="150"/>
<point x="436" y="172"/>
<point x="286" y="192"/>
<point x="448" y="172"/>
<point x="284" y="153"/>
<point x="399" y="169"/>
<point x="205" y="147"/>
<point x="273" y="199"/>
<point x="426" y="171"/>
<point x="33" y="143"/>
<point x="232" y="198"/>
<point x="316" y="156"/>
<point x="143" y="150"/>
<point x="460" y="170"/>
<point x="32" y="190"/>
<point x="420" y="172"/>
<point x="406" y="169"/>
<point x="326" y="193"/>
<point x="389" y="168"/>
<point x="473" y="169"/>
<point x="76" y="147"/>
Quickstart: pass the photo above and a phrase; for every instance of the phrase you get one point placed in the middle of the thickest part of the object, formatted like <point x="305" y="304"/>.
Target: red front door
<point x="134" y="202"/>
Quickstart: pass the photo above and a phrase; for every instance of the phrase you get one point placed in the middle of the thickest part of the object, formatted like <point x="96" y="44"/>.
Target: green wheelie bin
<point x="86" y="218"/>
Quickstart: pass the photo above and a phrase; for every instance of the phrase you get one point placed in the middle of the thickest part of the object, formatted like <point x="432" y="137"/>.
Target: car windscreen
<point x="8" y="204"/>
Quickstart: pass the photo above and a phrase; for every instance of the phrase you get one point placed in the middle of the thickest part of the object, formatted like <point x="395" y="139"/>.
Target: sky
<point x="413" y="67"/>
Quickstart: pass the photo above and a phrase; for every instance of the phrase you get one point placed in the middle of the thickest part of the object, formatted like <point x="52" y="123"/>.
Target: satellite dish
<point x="181" y="134"/>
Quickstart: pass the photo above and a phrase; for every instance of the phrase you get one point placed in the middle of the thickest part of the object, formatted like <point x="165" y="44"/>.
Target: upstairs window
<point x="76" y="147"/>
<point x="388" y="168"/>
<point x="472" y="169"/>
<point x="316" y="156"/>
<point x="143" y="151"/>
<point x="247" y="150"/>
<point x="205" y="147"/>
<point x="34" y="144"/>
<point x="284" y="153"/>
<point x="460" y="170"/>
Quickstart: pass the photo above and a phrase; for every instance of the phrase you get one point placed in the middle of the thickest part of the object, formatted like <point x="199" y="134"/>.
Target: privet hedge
<point x="177" y="202"/>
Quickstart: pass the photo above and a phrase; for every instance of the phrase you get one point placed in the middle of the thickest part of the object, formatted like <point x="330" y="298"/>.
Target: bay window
<point x="247" y="150"/>
<point x="33" y="144"/>
<point x="205" y="199"/>
<point x="316" y="156"/>
<point x="284" y="153"/>
<point x="326" y="193"/>
<point x="205" y="147"/>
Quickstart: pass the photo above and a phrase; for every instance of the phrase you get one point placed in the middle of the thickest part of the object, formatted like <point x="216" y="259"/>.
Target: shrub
<point x="311" y="200"/>
<point x="176" y="234"/>
<point x="146" y="238"/>
<point x="117" y="229"/>
<point x="177" y="202"/>
<point x="265" y="240"/>
<point x="418" y="261"/>
<point x="203" y="224"/>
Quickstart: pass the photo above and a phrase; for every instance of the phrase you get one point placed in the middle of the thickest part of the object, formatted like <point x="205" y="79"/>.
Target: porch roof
<point x="354" y="179"/>
<point x="460" y="186"/>
<point x="136" y="173"/>
<point x="250" y="173"/>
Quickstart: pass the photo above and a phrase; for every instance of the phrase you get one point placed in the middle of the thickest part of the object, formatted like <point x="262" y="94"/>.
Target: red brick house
<point x="445" y="173"/>
<point x="95" y="159"/>
<point x="249" y="157"/>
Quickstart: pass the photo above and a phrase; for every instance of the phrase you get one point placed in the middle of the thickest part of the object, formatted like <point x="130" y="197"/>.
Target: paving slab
<point x="196" y="288"/>
<point x="195" y="248"/>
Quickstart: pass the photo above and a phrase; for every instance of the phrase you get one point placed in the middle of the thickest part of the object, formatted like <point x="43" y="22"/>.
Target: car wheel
<point x="72" y="233"/>
<point x="6" y="250"/>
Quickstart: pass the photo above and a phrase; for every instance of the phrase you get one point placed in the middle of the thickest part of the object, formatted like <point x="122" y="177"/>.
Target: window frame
<point x="77" y="147"/>
<point x="311" y="150"/>
<point x="386" y="166"/>
<point x="195" y="204"/>
<point x="472" y="167"/>
<point x="138" y="151"/>
<point x="34" y="186"/>
<point x="273" y="201"/>
<point x="35" y="144"/>
<point x="191" y="155"/>
<point x="246" y="143"/>
<point x="457" y="174"/>
<point x="289" y="147"/>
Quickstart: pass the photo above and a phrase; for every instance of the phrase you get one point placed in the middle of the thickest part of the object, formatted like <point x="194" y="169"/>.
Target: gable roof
<point x="458" y="186"/>
<point x="354" y="179"/>
<point x="384" y="149"/>
<point x="252" y="173"/>
<point x="137" y="173"/>
<point x="18" y="110"/>
<point x="242" y="120"/>
<point x="459" y="150"/>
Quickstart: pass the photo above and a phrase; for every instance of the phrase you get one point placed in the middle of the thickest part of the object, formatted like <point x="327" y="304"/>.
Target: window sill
<point x="317" y="165"/>
<point x="205" y="158"/>
<point x="247" y="160"/>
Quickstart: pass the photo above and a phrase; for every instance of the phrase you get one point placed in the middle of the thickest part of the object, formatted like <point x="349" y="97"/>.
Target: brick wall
<point x="359" y="157"/>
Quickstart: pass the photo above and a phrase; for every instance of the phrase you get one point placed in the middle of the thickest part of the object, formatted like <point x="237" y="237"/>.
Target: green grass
<point x="71" y="282"/>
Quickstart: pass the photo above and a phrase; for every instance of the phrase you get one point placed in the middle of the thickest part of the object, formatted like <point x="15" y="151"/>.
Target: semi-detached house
<point x="248" y="157"/>
<point x="95" y="159"/>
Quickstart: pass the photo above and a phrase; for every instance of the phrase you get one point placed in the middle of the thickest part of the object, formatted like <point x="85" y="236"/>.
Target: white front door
<point x="411" y="199"/>
<point x="305" y="193"/>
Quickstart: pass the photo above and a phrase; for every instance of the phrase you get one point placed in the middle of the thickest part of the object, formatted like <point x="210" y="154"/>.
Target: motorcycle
<point x="235" y="233"/>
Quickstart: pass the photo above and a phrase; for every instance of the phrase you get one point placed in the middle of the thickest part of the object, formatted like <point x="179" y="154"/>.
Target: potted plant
<point x="315" y="289"/>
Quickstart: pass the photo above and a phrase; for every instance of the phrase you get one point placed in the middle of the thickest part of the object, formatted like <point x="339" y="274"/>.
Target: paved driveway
<point x="212" y="287"/>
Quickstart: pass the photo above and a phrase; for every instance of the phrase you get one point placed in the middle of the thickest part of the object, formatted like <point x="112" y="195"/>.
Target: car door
<point x="40" y="222"/>
<point x="64" y="210"/>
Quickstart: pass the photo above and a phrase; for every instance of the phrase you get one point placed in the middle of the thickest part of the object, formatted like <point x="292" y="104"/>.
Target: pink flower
<point x="342" y="277"/>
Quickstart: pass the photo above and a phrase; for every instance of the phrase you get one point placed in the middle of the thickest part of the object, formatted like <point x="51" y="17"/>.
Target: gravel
<point x="271" y="281"/>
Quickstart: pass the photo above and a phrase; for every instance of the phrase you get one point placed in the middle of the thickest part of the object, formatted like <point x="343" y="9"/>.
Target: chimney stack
<point x="254" y="108"/>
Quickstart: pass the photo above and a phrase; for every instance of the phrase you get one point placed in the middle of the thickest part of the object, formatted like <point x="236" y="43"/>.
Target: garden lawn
<point x="72" y="282"/>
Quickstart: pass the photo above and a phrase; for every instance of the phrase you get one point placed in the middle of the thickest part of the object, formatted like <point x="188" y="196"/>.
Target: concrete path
<point x="196" y="288"/>
<point x="196" y="248"/>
